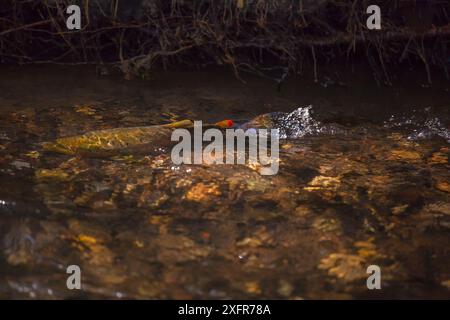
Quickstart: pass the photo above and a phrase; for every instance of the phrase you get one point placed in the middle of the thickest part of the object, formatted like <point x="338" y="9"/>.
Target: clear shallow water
<point x="365" y="181"/>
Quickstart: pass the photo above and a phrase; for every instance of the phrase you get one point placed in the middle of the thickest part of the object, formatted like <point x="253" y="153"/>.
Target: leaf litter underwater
<point x="345" y="197"/>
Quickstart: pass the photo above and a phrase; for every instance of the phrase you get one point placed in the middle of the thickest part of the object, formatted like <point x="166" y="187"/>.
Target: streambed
<point x="377" y="191"/>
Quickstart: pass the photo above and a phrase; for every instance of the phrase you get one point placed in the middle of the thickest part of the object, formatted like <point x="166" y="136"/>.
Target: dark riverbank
<point x="137" y="37"/>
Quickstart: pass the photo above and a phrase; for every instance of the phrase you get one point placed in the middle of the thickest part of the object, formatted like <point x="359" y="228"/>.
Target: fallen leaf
<point x="404" y="155"/>
<point x="201" y="192"/>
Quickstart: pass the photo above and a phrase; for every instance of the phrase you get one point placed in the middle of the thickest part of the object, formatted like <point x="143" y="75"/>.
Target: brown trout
<point x="111" y="142"/>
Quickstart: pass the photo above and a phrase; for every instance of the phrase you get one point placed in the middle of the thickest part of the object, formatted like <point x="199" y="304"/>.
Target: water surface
<point x="374" y="191"/>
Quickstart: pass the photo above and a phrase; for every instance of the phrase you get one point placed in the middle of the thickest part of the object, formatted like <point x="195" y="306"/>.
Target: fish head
<point x="265" y="121"/>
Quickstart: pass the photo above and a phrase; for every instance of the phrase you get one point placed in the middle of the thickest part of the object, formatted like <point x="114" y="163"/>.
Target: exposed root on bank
<point x="267" y="38"/>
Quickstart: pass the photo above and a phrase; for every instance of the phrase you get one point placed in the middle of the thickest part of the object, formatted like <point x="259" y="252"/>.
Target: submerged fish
<point x="109" y="142"/>
<point x="145" y="139"/>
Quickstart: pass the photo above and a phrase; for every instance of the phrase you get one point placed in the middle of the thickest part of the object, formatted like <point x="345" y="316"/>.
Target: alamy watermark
<point x="73" y="21"/>
<point x="229" y="149"/>
<point x="73" y="281"/>
<point x="374" y="280"/>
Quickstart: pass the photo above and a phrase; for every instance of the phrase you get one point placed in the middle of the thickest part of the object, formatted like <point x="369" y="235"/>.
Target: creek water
<point x="364" y="181"/>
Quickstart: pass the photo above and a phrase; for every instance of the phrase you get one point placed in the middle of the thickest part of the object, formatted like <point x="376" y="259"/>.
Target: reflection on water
<point x="350" y="192"/>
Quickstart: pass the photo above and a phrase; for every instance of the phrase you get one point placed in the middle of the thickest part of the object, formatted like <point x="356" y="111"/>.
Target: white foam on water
<point x="422" y="125"/>
<point x="300" y="123"/>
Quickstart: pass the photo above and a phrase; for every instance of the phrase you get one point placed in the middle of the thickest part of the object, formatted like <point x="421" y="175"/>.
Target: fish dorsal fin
<point x="189" y="124"/>
<point x="180" y="124"/>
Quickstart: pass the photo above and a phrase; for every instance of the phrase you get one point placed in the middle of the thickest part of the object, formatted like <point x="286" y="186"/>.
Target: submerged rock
<point x="443" y="186"/>
<point x="344" y="266"/>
